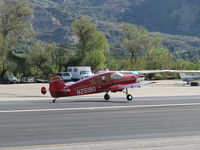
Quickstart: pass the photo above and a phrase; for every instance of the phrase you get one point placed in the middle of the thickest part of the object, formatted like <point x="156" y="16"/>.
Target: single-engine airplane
<point x="98" y="83"/>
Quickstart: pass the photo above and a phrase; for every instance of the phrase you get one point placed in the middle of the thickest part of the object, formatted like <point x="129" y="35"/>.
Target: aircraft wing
<point x="172" y="71"/>
<point x="155" y="71"/>
<point x="138" y="84"/>
<point x="121" y="87"/>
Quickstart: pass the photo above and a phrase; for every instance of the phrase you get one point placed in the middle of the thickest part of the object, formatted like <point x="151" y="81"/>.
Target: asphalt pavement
<point x="89" y="122"/>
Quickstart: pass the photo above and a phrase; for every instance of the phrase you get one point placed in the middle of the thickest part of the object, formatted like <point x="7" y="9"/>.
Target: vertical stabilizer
<point x="56" y="85"/>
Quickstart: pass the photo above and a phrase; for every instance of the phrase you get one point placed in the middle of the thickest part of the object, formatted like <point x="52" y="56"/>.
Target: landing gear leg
<point x="126" y="91"/>
<point x="107" y="96"/>
<point x="129" y="96"/>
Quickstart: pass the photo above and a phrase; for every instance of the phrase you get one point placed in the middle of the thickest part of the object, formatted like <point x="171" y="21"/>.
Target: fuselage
<point x="95" y="84"/>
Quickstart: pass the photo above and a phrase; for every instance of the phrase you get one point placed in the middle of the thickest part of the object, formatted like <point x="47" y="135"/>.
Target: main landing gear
<point x="107" y="96"/>
<point x="129" y="97"/>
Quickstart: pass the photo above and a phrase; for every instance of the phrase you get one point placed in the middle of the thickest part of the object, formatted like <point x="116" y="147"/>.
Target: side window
<point x="75" y="70"/>
<point x="69" y="70"/>
<point x="96" y="81"/>
<point x="103" y="79"/>
<point x="113" y="77"/>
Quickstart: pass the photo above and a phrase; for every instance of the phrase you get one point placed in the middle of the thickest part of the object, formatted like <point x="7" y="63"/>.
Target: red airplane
<point x="103" y="82"/>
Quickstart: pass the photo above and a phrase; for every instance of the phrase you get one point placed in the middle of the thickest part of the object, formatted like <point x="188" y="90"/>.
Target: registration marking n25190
<point x="86" y="90"/>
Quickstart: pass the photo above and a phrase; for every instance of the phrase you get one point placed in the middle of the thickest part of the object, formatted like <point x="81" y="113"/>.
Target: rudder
<point x="56" y="85"/>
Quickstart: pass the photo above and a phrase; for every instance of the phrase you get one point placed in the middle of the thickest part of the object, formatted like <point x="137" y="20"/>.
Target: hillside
<point x="52" y="19"/>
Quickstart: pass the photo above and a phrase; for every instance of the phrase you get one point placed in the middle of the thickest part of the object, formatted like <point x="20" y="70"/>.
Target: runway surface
<point x="89" y="122"/>
<point x="79" y="121"/>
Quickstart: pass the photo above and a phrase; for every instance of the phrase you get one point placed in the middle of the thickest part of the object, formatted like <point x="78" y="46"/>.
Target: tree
<point x="113" y="63"/>
<point x="159" y="58"/>
<point x="92" y="44"/>
<point x="63" y="55"/>
<point x="40" y="60"/>
<point x="134" y="39"/>
<point x="89" y="38"/>
<point x="95" y="59"/>
<point x="14" y="28"/>
<point x="156" y="56"/>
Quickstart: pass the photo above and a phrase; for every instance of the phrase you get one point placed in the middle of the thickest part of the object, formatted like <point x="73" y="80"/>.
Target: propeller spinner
<point x="43" y="90"/>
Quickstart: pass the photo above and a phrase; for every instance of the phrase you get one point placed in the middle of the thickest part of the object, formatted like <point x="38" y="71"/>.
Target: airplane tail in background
<point x="56" y="85"/>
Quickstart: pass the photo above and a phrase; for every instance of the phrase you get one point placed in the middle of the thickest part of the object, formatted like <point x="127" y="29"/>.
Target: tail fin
<point x="56" y="85"/>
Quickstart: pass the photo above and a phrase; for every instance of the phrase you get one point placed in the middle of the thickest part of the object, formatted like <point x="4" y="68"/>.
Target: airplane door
<point x="97" y="83"/>
<point x="102" y="82"/>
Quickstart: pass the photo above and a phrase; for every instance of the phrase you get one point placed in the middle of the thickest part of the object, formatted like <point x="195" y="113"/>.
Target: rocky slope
<point x="52" y="18"/>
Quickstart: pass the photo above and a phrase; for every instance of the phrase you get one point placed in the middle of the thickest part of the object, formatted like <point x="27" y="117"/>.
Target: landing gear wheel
<point x="129" y="97"/>
<point x="54" y="101"/>
<point x="107" y="96"/>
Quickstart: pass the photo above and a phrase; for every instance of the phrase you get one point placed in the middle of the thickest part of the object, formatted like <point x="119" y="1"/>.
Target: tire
<point x="107" y="97"/>
<point x="194" y="84"/>
<point x="129" y="97"/>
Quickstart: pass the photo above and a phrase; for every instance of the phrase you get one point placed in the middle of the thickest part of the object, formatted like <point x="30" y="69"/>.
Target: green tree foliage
<point x="156" y="56"/>
<point x="60" y="56"/>
<point x="113" y="63"/>
<point x="95" y="59"/>
<point x="134" y="40"/>
<point x="89" y="38"/>
<point x="159" y="58"/>
<point x="45" y="59"/>
<point x="187" y="65"/>
<point x="85" y="31"/>
<point x="40" y="61"/>
<point x="91" y="42"/>
<point x="146" y="51"/>
<point x="14" y="28"/>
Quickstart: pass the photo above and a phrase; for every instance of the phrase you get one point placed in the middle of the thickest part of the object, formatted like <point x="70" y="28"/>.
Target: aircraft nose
<point x="140" y="78"/>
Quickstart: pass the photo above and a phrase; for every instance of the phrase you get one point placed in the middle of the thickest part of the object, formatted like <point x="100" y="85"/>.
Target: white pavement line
<point x="99" y="108"/>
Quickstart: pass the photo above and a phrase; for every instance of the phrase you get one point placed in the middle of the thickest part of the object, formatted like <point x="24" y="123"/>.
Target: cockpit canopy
<point x="116" y="76"/>
<point x="129" y="72"/>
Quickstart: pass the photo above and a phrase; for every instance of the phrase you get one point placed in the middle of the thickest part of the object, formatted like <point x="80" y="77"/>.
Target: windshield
<point x="12" y="77"/>
<point x="66" y="74"/>
<point x="135" y="72"/>
<point x="84" y="72"/>
<point x="129" y="72"/>
<point x="116" y="76"/>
